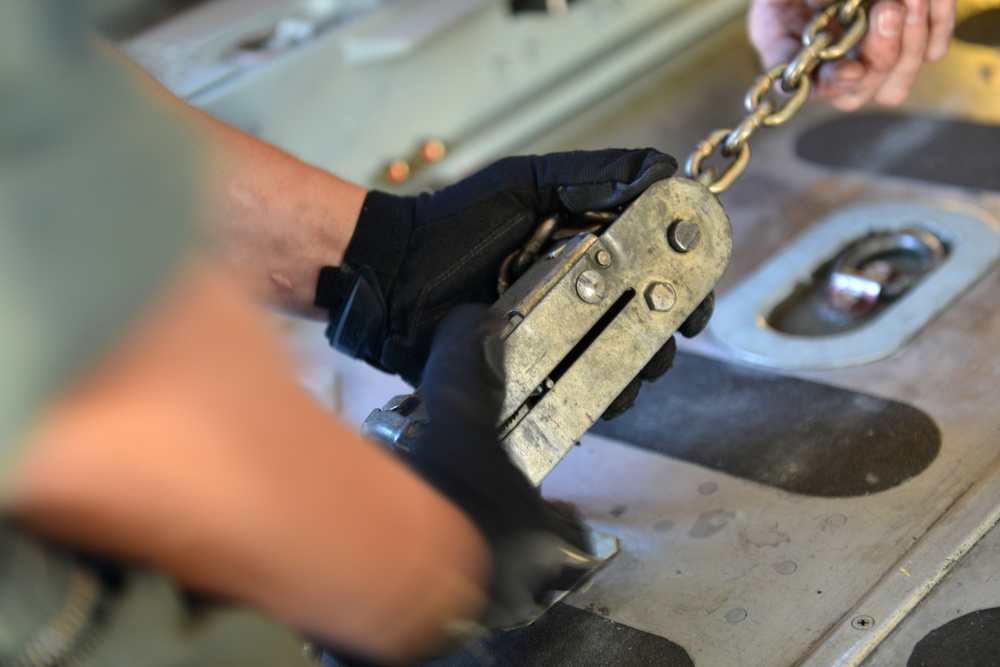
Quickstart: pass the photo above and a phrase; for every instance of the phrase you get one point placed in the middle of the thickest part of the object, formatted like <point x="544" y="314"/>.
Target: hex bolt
<point x="684" y="236"/>
<point x="590" y="286"/>
<point x="862" y="622"/>
<point x="603" y="258"/>
<point x="661" y="297"/>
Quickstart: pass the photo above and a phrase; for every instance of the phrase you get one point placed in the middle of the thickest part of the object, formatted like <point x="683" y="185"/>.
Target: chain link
<point x="819" y="45"/>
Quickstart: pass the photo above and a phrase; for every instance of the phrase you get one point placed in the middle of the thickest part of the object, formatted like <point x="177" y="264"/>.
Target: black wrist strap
<point x="357" y="310"/>
<point x="355" y="292"/>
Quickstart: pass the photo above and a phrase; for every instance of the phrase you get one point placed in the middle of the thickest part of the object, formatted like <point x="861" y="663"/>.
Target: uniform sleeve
<point x="99" y="201"/>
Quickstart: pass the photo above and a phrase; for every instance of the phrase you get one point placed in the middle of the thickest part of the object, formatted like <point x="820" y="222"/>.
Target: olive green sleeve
<point x="98" y="204"/>
<point x="56" y="609"/>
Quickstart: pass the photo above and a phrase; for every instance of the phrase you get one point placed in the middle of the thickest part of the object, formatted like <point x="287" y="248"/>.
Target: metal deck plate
<point x="733" y="571"/>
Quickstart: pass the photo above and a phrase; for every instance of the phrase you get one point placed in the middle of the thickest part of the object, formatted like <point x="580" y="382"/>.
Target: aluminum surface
<point x="704" y="558"/>
<point x="736" y="572"/>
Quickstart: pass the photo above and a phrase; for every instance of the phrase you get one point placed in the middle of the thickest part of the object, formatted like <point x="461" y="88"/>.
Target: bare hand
<point x="902" y="35"/>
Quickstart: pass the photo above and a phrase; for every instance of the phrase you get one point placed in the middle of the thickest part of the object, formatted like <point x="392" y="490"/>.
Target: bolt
<point x="661" y="297"/>
<point x="683" y="236"/>
<point x="862" y="622"/>
<point x="590" y="286"/>
<point x="397" y="171"/>
<point x="432" y="150"/>
<point x="603" y="258"/>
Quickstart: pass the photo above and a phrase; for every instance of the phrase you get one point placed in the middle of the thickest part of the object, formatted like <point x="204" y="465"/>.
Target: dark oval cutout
<point x="936" y="150"/>
<point x="788" y="433"/>
<point x="981" y="28"/>
<point x="972" y="640"/>
<point x="569" y="637"/>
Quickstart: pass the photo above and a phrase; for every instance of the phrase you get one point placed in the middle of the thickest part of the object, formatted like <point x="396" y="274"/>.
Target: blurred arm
<point x="194" y="450"/>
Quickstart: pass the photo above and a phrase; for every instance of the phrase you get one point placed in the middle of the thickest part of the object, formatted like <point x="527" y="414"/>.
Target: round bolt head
<point x="432" y="150"/>
<point x="603" y="258"/>
<point x="398" y="171"/>
<point x="661" y="297"/>
<point x="590" y="287"/>
<point x="684" y="235"/>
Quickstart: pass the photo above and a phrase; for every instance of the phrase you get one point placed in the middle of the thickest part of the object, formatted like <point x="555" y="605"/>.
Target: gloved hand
<point x="663" y="359"/>
<point x="460" y="455"/>
<point x="902" y="35"/>
<point x="412" y="259"/>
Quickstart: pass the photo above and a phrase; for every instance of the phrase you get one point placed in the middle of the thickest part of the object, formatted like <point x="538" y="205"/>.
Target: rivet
<point x="736" y="615"/>
<point x="397" y="171"/>
<point x="684" y="236"/>
<point x="432" y="150"/>
<point x="590" y="286"/>
<point x="786" y="567"/>
<point x="603" y="258"/>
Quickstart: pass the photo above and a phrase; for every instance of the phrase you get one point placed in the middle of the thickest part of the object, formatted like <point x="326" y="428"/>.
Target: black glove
<point x="412" y="259"/>
<point x="461" y="456"/>
<point x="663" y="359"/>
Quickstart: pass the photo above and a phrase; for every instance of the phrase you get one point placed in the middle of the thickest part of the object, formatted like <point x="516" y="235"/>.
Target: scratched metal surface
<point x="739" y="573"/>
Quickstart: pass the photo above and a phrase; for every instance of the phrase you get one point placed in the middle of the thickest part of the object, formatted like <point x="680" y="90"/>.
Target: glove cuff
<point x="354" y="293"/>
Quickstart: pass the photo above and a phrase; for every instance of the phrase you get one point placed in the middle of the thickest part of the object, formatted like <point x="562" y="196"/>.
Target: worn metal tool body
<point x="582" y="322"/>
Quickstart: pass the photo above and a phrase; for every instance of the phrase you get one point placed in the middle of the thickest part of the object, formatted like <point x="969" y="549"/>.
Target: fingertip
<point x="848" y="103"/>
<point x="840" y="78"/>
<point x="889" y="19"/>
<point x="891" y="97"/>
<point x="937" y="52"/>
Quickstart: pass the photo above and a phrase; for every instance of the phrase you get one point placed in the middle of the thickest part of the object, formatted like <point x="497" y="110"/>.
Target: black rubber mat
<point x="563" y="637"/>
<point x="569" y="637"/>
<point x="972" y="640"/>
<point x="792" y="434"/>
<point x="938" y="150"/>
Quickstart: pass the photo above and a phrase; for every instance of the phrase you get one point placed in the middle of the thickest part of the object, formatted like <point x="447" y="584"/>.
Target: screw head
<point x="862" y="622"/>
<point x="684" y="236"/>
<point x="603" y="258"/>
<point x="661" y="297"/>
<point x="590" y="287"/>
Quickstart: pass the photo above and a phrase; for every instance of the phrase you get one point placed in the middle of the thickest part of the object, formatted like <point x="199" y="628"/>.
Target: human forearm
<point x="274" y="219"/>
<point x="222" y="473"/>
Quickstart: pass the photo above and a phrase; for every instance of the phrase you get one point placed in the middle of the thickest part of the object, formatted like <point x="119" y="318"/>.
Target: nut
<point x="661" y="297"/>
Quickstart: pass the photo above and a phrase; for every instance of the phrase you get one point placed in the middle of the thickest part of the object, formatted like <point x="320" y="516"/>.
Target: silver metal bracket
<point x="581" y="324"/>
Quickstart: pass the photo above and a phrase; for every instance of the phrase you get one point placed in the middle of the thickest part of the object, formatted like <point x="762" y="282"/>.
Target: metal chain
<point x="765" y="108"/>
<point x="819" y="45"/>
<point x="551" y="233"/>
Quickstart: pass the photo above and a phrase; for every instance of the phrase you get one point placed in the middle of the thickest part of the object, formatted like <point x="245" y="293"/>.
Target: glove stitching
<point x="422" y="315"/>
